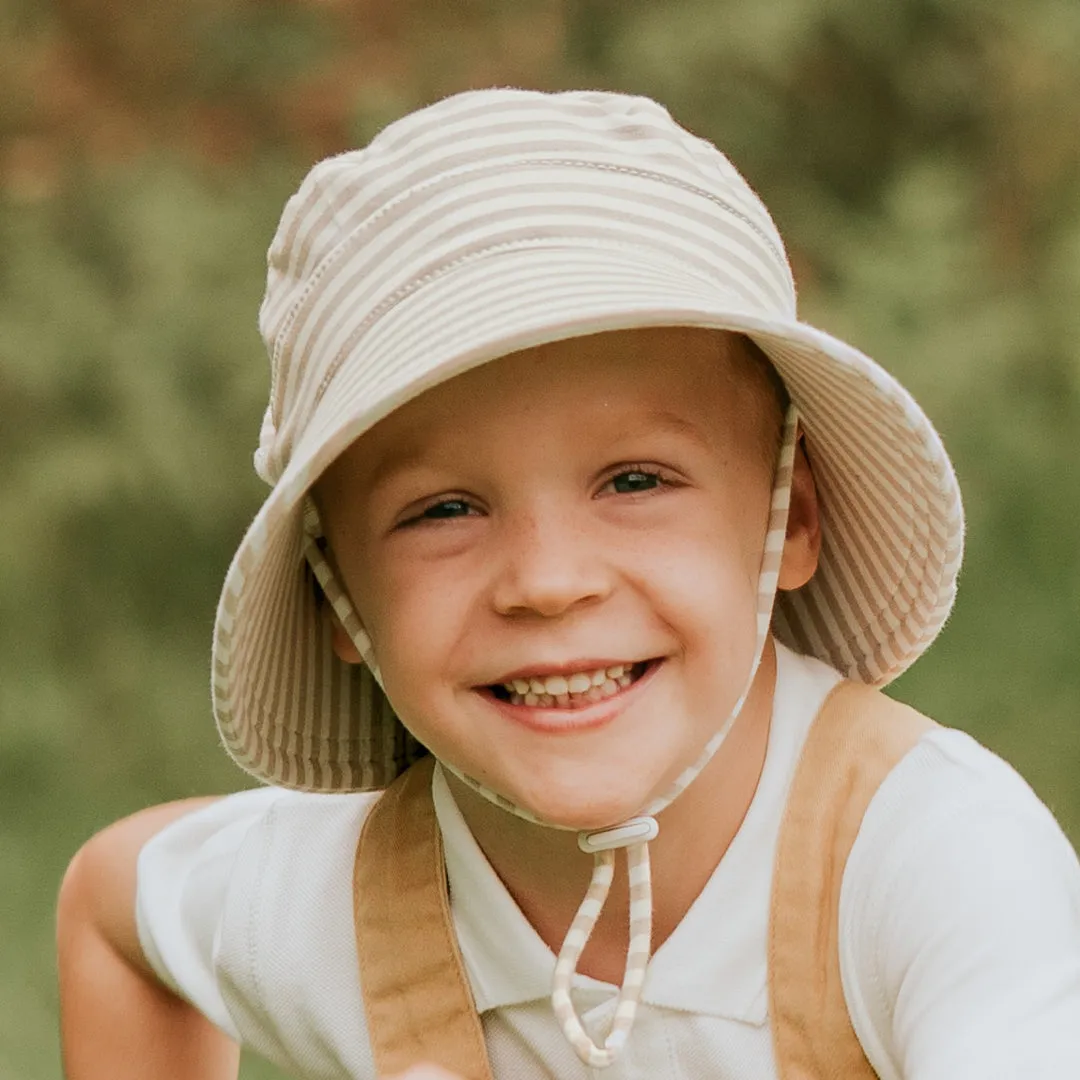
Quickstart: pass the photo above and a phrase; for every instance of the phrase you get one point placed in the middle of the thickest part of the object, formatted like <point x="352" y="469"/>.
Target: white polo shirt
<point x="959" y="929"/>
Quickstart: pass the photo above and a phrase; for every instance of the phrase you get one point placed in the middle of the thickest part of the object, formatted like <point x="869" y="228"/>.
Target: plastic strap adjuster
<point x="635" y="831"/>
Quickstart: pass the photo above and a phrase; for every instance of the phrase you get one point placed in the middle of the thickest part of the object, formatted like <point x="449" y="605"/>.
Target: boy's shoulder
<point x="959" y="910"/>
<point x="950" y="816"/>
<point x="948" y="782"/>
<point x="245" y="907"/>
<point x="945" y="773"/>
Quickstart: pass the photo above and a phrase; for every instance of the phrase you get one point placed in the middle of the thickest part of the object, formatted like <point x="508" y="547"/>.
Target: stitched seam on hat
<point x="664" y="178"/>
<point x="392" y="301"/>
<point x="404" y="291"/>
<point x="319" y="272"/>
<point x="365" y="226"/>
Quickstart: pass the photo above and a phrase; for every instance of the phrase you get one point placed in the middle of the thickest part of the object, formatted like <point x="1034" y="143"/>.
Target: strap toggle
<point x="635" y="831"/>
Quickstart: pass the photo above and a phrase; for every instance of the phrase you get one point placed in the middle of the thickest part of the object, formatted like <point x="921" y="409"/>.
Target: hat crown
<point x="475" y="171"/>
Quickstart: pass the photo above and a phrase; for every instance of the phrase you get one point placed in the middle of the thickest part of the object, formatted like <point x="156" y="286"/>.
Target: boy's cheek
<point x="432" y="632"/>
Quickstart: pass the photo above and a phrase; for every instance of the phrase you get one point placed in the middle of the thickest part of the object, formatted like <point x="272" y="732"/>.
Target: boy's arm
<point x="117" y="1020"/>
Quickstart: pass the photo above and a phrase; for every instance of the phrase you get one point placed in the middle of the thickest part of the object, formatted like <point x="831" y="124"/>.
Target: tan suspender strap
<point x="858" y="736"/>
<point x="417" y="998"/>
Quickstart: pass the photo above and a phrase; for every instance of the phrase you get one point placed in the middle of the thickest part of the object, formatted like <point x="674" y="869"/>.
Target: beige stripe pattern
<point x="490" y="222"/>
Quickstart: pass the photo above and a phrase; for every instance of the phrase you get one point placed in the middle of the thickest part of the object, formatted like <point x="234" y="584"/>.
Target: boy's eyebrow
<point x="663" y="422"/>
<point x="400" y="458"/>
<point x="395" y="460"/>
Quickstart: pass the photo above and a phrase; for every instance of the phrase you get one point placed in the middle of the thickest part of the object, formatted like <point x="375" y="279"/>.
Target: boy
<point x="598" y="524"/>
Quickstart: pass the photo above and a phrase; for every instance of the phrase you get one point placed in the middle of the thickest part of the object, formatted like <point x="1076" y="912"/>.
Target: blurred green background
<point x="922" y="158"/>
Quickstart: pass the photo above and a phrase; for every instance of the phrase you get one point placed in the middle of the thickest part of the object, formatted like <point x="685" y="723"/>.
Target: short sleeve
<point x="183" y="880"/>
<point x="960" y="924"/>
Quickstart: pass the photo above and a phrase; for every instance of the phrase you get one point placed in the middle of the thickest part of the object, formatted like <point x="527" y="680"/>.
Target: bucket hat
<point x="493" y="221"/>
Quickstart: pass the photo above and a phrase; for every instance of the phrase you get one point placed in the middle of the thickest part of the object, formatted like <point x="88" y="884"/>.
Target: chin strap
<point x="336" y="596"/>
<point x="633" y="835"/>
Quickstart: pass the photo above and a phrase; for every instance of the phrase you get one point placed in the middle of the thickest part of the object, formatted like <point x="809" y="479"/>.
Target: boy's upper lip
<point x="570" y="667"/>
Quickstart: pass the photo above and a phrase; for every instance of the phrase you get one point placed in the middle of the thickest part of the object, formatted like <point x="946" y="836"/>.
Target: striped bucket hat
<point x="493" y="221"/>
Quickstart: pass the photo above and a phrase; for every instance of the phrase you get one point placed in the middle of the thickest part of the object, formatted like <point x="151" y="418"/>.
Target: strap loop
<point x="637" y="956"/>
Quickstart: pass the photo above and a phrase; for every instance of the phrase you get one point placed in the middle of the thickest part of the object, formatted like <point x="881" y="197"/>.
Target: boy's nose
<point x="548" y="568"/>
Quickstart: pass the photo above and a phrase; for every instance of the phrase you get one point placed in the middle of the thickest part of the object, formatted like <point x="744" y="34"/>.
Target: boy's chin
<point x="583" y="808"/>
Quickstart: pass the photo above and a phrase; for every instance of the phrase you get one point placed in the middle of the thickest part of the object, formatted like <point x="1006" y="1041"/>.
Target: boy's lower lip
<point x="562" y="721"/>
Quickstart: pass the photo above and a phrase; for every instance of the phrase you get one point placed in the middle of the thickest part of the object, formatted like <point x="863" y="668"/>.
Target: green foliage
<point x="920" y="157"/>
<point x="129" y="383"/>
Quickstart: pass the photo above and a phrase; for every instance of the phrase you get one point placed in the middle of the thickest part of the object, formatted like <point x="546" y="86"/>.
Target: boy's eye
<point x="626" y="483"/>
<point x="448" y="508"/>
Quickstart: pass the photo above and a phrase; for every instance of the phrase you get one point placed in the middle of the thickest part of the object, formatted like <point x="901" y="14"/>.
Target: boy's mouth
<point x="570" y="690"/>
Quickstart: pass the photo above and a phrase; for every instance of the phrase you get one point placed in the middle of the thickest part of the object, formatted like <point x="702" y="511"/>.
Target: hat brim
<point x="892" y="526"/>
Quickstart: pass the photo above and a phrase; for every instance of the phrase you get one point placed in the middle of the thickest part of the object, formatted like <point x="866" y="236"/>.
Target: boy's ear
<point x="802" y="545"/>
<point x="343" y="646"/>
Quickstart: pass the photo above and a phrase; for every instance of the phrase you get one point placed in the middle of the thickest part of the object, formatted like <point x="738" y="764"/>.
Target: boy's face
<point x="589" y="505"/>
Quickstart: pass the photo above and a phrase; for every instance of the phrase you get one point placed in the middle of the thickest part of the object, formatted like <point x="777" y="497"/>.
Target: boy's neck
<point x="547" y="875"/>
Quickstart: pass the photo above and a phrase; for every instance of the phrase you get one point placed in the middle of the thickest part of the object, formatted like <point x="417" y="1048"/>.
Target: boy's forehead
<point x="627" y="368"/>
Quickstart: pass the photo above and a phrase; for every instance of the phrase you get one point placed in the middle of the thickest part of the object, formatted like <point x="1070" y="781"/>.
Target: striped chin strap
<point x="633" y="835"/>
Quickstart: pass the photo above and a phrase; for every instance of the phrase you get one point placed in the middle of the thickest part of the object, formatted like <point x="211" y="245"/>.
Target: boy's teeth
<point x="555" y="685"/>
<point x="561" y="689"/>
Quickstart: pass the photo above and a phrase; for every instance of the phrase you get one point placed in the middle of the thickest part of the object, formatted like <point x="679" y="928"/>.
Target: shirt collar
<point x="506" y="960"/>
<point x="714" y="962"/>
